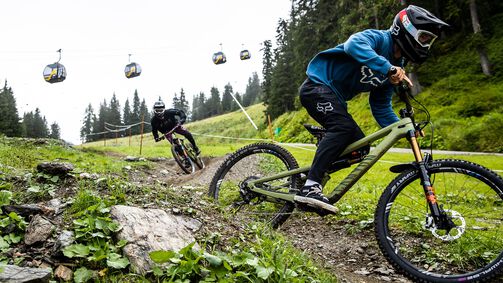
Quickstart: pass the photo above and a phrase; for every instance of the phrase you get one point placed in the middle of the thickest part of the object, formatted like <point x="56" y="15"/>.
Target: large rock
<point x="16" y="274"/>
<point x="148" y="230"/>
<point x="38" y="230"/>
<point x="55" y="168"/>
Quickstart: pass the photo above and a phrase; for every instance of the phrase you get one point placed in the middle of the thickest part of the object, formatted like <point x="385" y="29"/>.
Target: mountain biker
<point x="369" y="61"/>
<point x="164" y="120"/>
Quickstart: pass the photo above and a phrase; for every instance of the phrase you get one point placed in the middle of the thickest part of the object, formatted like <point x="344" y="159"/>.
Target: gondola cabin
<point x="132" y="70"/>
<point x="245" y="55"/>
<point x="219" y="58"/>
<point x="54" y="73"/>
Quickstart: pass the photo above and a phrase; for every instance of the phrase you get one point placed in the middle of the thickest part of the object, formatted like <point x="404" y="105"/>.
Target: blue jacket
<point x="359" y="65"/>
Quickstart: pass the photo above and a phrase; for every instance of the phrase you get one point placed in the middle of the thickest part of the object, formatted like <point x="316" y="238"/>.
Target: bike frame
<point x="173" y="140"/>
<point x="391" y="134"/>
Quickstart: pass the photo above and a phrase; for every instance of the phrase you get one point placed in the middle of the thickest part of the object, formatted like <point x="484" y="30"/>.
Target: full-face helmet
<point x="159" y="109"/>
<point x="415" y="29"/>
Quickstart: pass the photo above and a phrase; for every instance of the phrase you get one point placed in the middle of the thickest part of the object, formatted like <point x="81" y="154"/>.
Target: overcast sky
<point x="173" y="41"/>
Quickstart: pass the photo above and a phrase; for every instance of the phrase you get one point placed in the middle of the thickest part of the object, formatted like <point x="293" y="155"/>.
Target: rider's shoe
<point x="313" y="191"/>
<point x="197" y="150"/>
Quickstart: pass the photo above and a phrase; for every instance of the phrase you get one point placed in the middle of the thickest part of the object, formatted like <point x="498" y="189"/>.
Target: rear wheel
<point x="183" y="161"/>
<point x="229" y="185"/>
<point x="471" y="250"/>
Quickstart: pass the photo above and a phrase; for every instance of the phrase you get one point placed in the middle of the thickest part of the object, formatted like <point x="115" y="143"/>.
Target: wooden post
<point x="129" y="137"/>
<point x="104" y="139"/>
<point x="270" y="127"/>
<point x="116" y="137"/>
<point x="141" y="131"/>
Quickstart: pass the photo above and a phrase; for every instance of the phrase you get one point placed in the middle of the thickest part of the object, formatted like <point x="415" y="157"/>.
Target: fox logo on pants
<point x="324" y="107"/>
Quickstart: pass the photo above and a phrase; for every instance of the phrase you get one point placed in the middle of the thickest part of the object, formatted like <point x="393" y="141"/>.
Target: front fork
<point x="442" y="221"/>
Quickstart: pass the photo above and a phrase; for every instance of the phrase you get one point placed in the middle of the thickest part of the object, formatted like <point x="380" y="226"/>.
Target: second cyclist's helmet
<point x="159" y="109"/>
<point x="415" y="29"/>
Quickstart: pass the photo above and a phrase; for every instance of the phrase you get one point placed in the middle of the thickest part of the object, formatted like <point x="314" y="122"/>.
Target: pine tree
<point x="195" y="109"/>
<point x="176" y="102"/>
<point x="135" y="114"/>
<point x="55" y="131"/>
<point x="114" y="117"/>
<point x="227" y="100"/>
<point x="214" y="106"/>
<point x="87" y="125"/>
<point x="253" y="91"/>
<point x="39" y="126"/>
<point x="267" y="71"/>
<point x="234" y="105"/>
<point x="10" y="124"/>
<point x="28" y="124"/>
<point x="99" y="127"/>
<point x="184" y="104"/>
<point x="127" y="115"/>
<point x="146" y="115"/>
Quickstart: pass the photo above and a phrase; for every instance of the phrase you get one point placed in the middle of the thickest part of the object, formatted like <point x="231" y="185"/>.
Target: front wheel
<point x="471" y="250"/>
<point x="195" y="158"/>
<point x="229" y="185"/>
<point x="183" y="161"/>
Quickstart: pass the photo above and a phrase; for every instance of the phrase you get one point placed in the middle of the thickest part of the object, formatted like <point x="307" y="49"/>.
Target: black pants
<point x="322" y="104"/>
<point x="184" y="132"/>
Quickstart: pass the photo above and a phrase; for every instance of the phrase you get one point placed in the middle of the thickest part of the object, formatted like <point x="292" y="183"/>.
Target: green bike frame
<point x="391" y="134"/>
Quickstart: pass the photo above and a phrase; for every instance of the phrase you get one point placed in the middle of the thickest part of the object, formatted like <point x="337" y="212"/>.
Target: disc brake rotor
<point x="454" y="233"/>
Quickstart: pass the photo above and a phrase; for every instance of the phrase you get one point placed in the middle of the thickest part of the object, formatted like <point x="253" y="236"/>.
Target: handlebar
<point x="170" y="132"/>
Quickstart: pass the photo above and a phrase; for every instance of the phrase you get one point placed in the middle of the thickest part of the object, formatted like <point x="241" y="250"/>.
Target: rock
<point x="88" y="176"/>
<point x="148" y="230"/>
<point x="56" y="205"/>
<point x="24" y="210"/>
<point x="64" y="240"/>
<point x="193" y="224"/>
<point x="134" y="159"/>
<point x="38" y="230"/>
<point x="362" y="271"/>
<point x="16" y="274"/>
<point x="64" y="273"/>
<point x="156" y="159"/>
<point x="131" y="158"/>
<point x="55" y="168"/>
<point x="384" y="270"/>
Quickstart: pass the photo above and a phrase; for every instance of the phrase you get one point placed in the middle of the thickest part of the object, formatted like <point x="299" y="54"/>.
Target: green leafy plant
<point x="12" y="227"/>
<point x="94" y="230"/>
<point x="267" y="258"/>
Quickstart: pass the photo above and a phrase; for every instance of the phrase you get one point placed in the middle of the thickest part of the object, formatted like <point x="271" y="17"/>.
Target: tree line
<point x="32" y="125"/>
<point x="316" y="25"/>
<point x="111" y="120"/>
<point x="204" y="107"/>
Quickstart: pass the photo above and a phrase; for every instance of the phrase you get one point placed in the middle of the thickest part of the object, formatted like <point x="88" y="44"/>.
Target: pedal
<point x="314" y="205"/>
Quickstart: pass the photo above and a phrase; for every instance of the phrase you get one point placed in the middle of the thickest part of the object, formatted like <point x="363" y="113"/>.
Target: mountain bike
<point x="437" y="221"/>
<point x="183" y="153"/>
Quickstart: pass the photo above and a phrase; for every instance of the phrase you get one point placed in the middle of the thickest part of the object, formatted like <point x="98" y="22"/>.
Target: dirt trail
<point x="353" y="257"/>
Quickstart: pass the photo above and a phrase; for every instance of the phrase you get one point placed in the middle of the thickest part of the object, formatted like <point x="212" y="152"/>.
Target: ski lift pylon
<point x="219" y="57"/>
<point x="132" y="69"/>
<point x="56" y="72"/>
